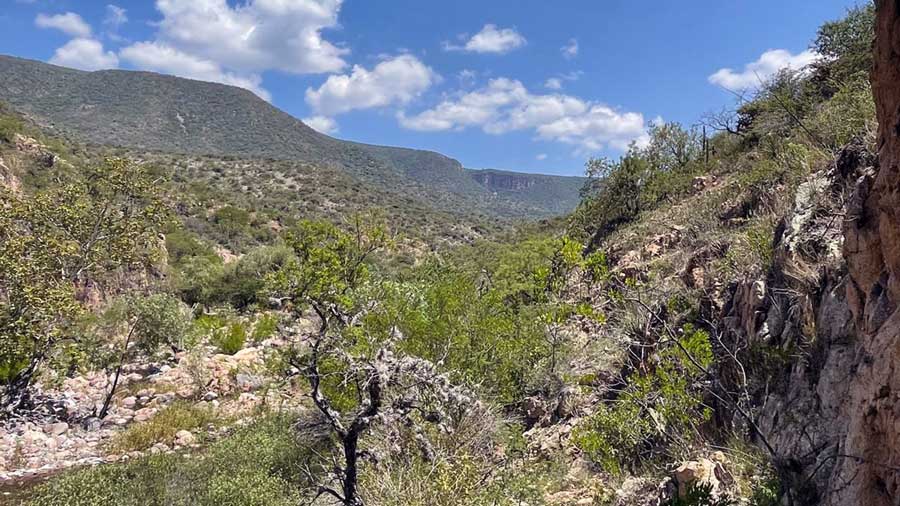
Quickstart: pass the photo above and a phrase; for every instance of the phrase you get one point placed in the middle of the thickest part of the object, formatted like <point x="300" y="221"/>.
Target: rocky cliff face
<point x="495" y="181"/>
<point x="831" y="304"/>
<point x="872" y="251"/>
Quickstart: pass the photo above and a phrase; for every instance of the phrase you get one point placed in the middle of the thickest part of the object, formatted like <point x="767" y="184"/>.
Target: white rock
<point x="184" y="438"/>
<point x="55" y="429"/>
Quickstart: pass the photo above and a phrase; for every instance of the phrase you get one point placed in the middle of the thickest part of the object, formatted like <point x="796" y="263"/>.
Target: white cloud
<point x="491" y="40"/>
<point x="397" y="80"/>
<point x="255" y="35"/>
<point x="505" y="105"/>
<point x="68" y="23"/>
<point x="541" y="157"/>
<point x="115" y="16"/>
<point x="762" y="69"/>
<point x="234" y="43"/>
<point x="570" y="50"/>
<point x="84" y="54"/>
<point x="168" y="60"/>
<point x="322" y="124"/>
<point x="556" y="83"/>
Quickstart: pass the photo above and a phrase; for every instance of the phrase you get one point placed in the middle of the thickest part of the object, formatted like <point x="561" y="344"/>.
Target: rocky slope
<point x="833" y="419"/>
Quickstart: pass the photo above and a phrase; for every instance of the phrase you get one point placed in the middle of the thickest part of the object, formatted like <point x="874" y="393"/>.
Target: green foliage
<point x="196" y="280"/>
<point x="243" y="281"/>
<point x="257" y="466"/>
<point x="182" y="246"/>
<point x="463" y="480"/>
<point x="597" y="266"/>
<point x="233" y="221"/>
<point x="846" y="44"/>
<point x="159" y="320"/>
<point x="328" y="263"/>
<point x="658" y="407"/>
<point x="618" y="191"/>
<point x="232" y="341"/>
<point x="106" y="219"/>
<point x="778" y="109"/>
<point x="265" y="327"/>
<point x="475" y="332"/>
<point x="766" y="491"/>
<point x="163" y="427"/>
<point x="701" y="494"/>
<point x="9" y="127"/>
<point x="848" y="114"/>
<point x="225" y="331"/>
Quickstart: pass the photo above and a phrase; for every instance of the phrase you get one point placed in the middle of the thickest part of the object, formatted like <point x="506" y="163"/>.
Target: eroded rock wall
<point x="832" y="415"/>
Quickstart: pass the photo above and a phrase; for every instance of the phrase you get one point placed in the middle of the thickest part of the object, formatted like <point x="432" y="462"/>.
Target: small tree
<point x="356" y="381"/>
<point x="107" y="219"/>
<point x="846" y="45"/>
<point x="152" y="321"/>
<point x="386" y="388"/>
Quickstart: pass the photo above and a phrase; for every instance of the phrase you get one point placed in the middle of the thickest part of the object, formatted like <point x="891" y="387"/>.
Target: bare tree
<point x="723" y="120"/>
<point x="391" y="389"/>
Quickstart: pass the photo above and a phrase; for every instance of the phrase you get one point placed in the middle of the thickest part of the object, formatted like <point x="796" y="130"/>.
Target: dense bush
<point x="659" y="407"/>
<point x="618" y="191"/>
<point x="104" y="220"/>
<point x="232" y="339"/>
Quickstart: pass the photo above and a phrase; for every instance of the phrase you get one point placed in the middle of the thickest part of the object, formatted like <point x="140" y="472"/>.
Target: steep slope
<point x="558" y="194"/>
<point x="835" y="420"/>
<point x="155" y="112"/>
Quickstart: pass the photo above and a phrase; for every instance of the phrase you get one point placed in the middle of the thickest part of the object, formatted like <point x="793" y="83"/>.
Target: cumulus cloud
<point x="165" y="59"/>
<point x="505" y="105"/>
<point x="84" y="54"/>
<point x="396" y="80"/>
<point x="769" y="64"/>
<point x="570" y="50"/>
<point x="256" y="35"/>
<point x="490" y="40"/>
<point x="322" y="124"/>
<point x="69" y="23"/>
<point x="234" y="43"/>
<point x="554" y="83"/>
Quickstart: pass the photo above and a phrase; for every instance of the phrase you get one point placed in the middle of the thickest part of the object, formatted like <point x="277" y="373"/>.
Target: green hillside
<point x="147" y="111"/>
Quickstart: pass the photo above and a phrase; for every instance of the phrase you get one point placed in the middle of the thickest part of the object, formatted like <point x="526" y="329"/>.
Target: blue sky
<point x="527" y="85"/>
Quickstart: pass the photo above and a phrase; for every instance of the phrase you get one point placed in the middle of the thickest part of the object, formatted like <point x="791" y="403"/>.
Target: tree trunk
<point x="351" y="471"/>
<point x="16" y="392"/>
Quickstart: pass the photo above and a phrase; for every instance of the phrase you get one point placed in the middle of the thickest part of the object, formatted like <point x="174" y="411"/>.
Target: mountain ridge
<point x="157" y="112"/>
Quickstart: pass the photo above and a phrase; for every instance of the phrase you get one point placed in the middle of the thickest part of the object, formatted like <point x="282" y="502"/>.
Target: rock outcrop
<point x="832" y="416"/>
<point x="871" y="466"/>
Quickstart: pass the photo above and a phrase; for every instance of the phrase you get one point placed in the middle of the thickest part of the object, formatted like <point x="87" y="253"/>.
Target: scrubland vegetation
<point x="428" y="377"/>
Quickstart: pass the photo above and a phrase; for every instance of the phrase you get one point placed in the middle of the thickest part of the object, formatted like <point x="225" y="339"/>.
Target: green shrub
<point x="232" y="340"/>
<point x="656" y="408"/>
<point x="846" y="45"/>
<point x="701" y="494"/>
<point x="266" y="326"/>
<point x="9" y="127"/>
<point x="849" y="114"/>
<point x="159" y="320"/>
<point x="257" y="466"/>
<point x="162" y="427"/>
<point x="243" y="280"/>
